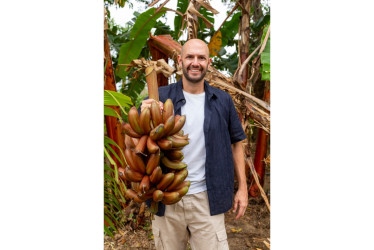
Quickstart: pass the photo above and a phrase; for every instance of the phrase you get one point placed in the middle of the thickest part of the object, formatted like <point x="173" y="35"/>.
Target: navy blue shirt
<point x="222" y="128"/>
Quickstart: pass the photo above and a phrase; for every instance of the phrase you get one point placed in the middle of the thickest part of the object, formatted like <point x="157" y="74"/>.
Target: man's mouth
<point x="194" y="70"/>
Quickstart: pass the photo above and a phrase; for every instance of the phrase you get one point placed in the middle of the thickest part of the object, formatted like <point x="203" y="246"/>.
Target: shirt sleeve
<point x="235" y="126"/>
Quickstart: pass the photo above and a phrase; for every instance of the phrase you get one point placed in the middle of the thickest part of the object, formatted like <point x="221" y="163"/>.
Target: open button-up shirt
<point x="222" y="128"/>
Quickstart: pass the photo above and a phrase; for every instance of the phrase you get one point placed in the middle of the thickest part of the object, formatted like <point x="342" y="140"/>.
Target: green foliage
<point x="260" y="23"/>
<point x="112" y="197"/>
<point x="133" y="88"/>
<point x="117" y="35"/>
<point x="208" y="15"/>
<point x="112" y="98"/>
<point x="265" y="57"/>
<point x="230" y="29"/>
<point x="113" y="194"/>
<point x="181" y="7"/>
<point x="224" y="61"/>
<point x="137" y="40"/>
<point x="162" y="29"/>
<point x="111" y="112"/>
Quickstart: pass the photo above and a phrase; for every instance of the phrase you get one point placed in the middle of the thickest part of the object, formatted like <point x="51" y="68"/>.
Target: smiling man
<point x="213" y="154"/>
<point x="194" y="60"/>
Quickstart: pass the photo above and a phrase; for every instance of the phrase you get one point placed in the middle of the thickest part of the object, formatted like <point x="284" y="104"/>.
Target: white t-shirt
<point x="194" y="152"/>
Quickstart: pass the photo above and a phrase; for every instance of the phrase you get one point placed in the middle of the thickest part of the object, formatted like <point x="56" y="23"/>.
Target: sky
<point x="122" y="15"/>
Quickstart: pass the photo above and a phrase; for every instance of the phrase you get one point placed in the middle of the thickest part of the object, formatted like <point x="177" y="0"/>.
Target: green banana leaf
<point x="115" y="154"/>
<point x="107" y="219"/>
<point x="138" y="38"/>
<point x="182" y="7"/>
<point x="111" y="112"/>
<point x="230" y="29"/>
<point x="113" y="203"/>
<point x="265" y="57"/>
<point x="208" y="15"/>
<point x="113" y="98"/>
<point x="108" y="141"/>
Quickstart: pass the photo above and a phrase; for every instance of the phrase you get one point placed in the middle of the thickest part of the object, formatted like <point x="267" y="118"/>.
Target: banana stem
<point x="154" y="207"/>
<point x="151" y="76"/>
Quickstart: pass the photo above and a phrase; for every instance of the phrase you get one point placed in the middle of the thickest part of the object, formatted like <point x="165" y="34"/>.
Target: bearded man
<point x="213" y="155"/>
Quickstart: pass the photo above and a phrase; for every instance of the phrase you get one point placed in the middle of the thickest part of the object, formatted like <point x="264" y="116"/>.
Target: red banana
<point x="171" y="198"/>
<point x="158" y="195"/>
<point x="129" y="131"/>
<point x="165" y="144"/>
<point x="183" y="184"/>
<point x="156" y="175"/>
<point x="139" y="149"/>
<point x="168" y="110"/>
<point x="156" y="114"/>
<point x="178" y="125"/>
<point x="153" y="162"/>
<point x="134" y="120"/>
<point x="130" y="194"/>
<point x="132" y="175"/>
<point x="157" y="132"/>
<point x="177" y="165"/>
<point x="152" y="146"/>
<point x="169" y="125"/>
<point x="177" y="143"/>
<point x="174" y="155"/>
<point x="178" y="179"/>
<point x="165" y="181"/>
<point x="145" y="119"/>
<point x="144" y="184"/>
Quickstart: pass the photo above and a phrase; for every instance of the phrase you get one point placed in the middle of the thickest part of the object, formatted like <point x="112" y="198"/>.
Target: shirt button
<point x="184" y="101"/>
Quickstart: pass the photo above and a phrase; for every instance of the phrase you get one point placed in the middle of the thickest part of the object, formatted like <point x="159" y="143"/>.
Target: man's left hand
<point x="240" y="202"/>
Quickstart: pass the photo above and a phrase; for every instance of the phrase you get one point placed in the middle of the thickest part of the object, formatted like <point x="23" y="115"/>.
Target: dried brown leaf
<point x="207" y="6"/>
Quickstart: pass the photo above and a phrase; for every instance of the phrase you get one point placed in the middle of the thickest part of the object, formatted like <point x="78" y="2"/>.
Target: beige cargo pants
<point x="190" y="219"/>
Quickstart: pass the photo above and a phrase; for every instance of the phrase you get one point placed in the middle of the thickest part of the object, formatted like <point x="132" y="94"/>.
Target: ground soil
<point x="252" y="231"/>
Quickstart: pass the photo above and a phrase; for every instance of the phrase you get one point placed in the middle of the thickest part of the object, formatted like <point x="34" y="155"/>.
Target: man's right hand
<point x="148" y="102"/>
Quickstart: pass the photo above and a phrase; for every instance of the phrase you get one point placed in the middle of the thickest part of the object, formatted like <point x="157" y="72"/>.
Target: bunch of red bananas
<point x="154" y="140"/>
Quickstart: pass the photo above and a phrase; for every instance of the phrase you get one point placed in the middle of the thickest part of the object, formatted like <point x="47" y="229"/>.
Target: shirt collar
<point x="209" y="90"/>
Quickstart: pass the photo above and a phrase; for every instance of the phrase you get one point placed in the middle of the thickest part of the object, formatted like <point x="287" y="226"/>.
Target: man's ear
<point x="210" y="61"/>
<point x="179" y="59"/>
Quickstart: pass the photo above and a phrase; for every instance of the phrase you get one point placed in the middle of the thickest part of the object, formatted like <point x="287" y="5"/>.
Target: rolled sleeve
<point x="235" y="126"/>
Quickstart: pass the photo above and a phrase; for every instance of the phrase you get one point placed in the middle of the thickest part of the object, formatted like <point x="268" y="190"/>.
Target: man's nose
<point x="195" y="61"/>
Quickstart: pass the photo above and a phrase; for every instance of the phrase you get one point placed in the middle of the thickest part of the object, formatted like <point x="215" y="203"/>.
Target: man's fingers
<point x="235" y="205"/>
<point x="240" y="212"/>
<point x="146" y="103"/>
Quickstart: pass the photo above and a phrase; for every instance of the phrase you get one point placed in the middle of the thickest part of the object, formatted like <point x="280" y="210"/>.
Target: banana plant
<point x="114" y="188"/>
<point x="265" y="57"/>
<point x="137" y="39"/>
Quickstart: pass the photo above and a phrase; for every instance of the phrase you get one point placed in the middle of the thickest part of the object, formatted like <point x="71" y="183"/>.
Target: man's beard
<point x="193" y="80"/>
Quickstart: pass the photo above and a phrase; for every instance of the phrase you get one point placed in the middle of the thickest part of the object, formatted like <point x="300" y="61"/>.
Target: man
<point x="213" y="155"/>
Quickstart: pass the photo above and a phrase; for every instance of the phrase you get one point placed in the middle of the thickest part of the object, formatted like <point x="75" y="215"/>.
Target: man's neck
<point x="193" y="88"/>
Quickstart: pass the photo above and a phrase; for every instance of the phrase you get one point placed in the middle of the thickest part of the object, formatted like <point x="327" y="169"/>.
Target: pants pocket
<point x="157" y="238"/>
<point x="222" y="243"/>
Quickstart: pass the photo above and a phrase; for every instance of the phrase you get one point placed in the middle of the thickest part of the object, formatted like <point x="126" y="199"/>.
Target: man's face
<point x="194" y="60"/>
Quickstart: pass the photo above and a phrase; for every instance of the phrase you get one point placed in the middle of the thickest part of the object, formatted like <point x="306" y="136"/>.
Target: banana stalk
<point x="154" y="138"/>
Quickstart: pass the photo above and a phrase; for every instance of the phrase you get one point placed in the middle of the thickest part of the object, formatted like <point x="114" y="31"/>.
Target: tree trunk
<point x="243" y="46"/>
<point x="244" y="32"/>
<point x="113" y="126"/>
<point x="261" y="147"/>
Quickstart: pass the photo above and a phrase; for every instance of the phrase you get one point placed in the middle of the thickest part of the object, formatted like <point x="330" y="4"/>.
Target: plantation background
<point x="52" y="125"/>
